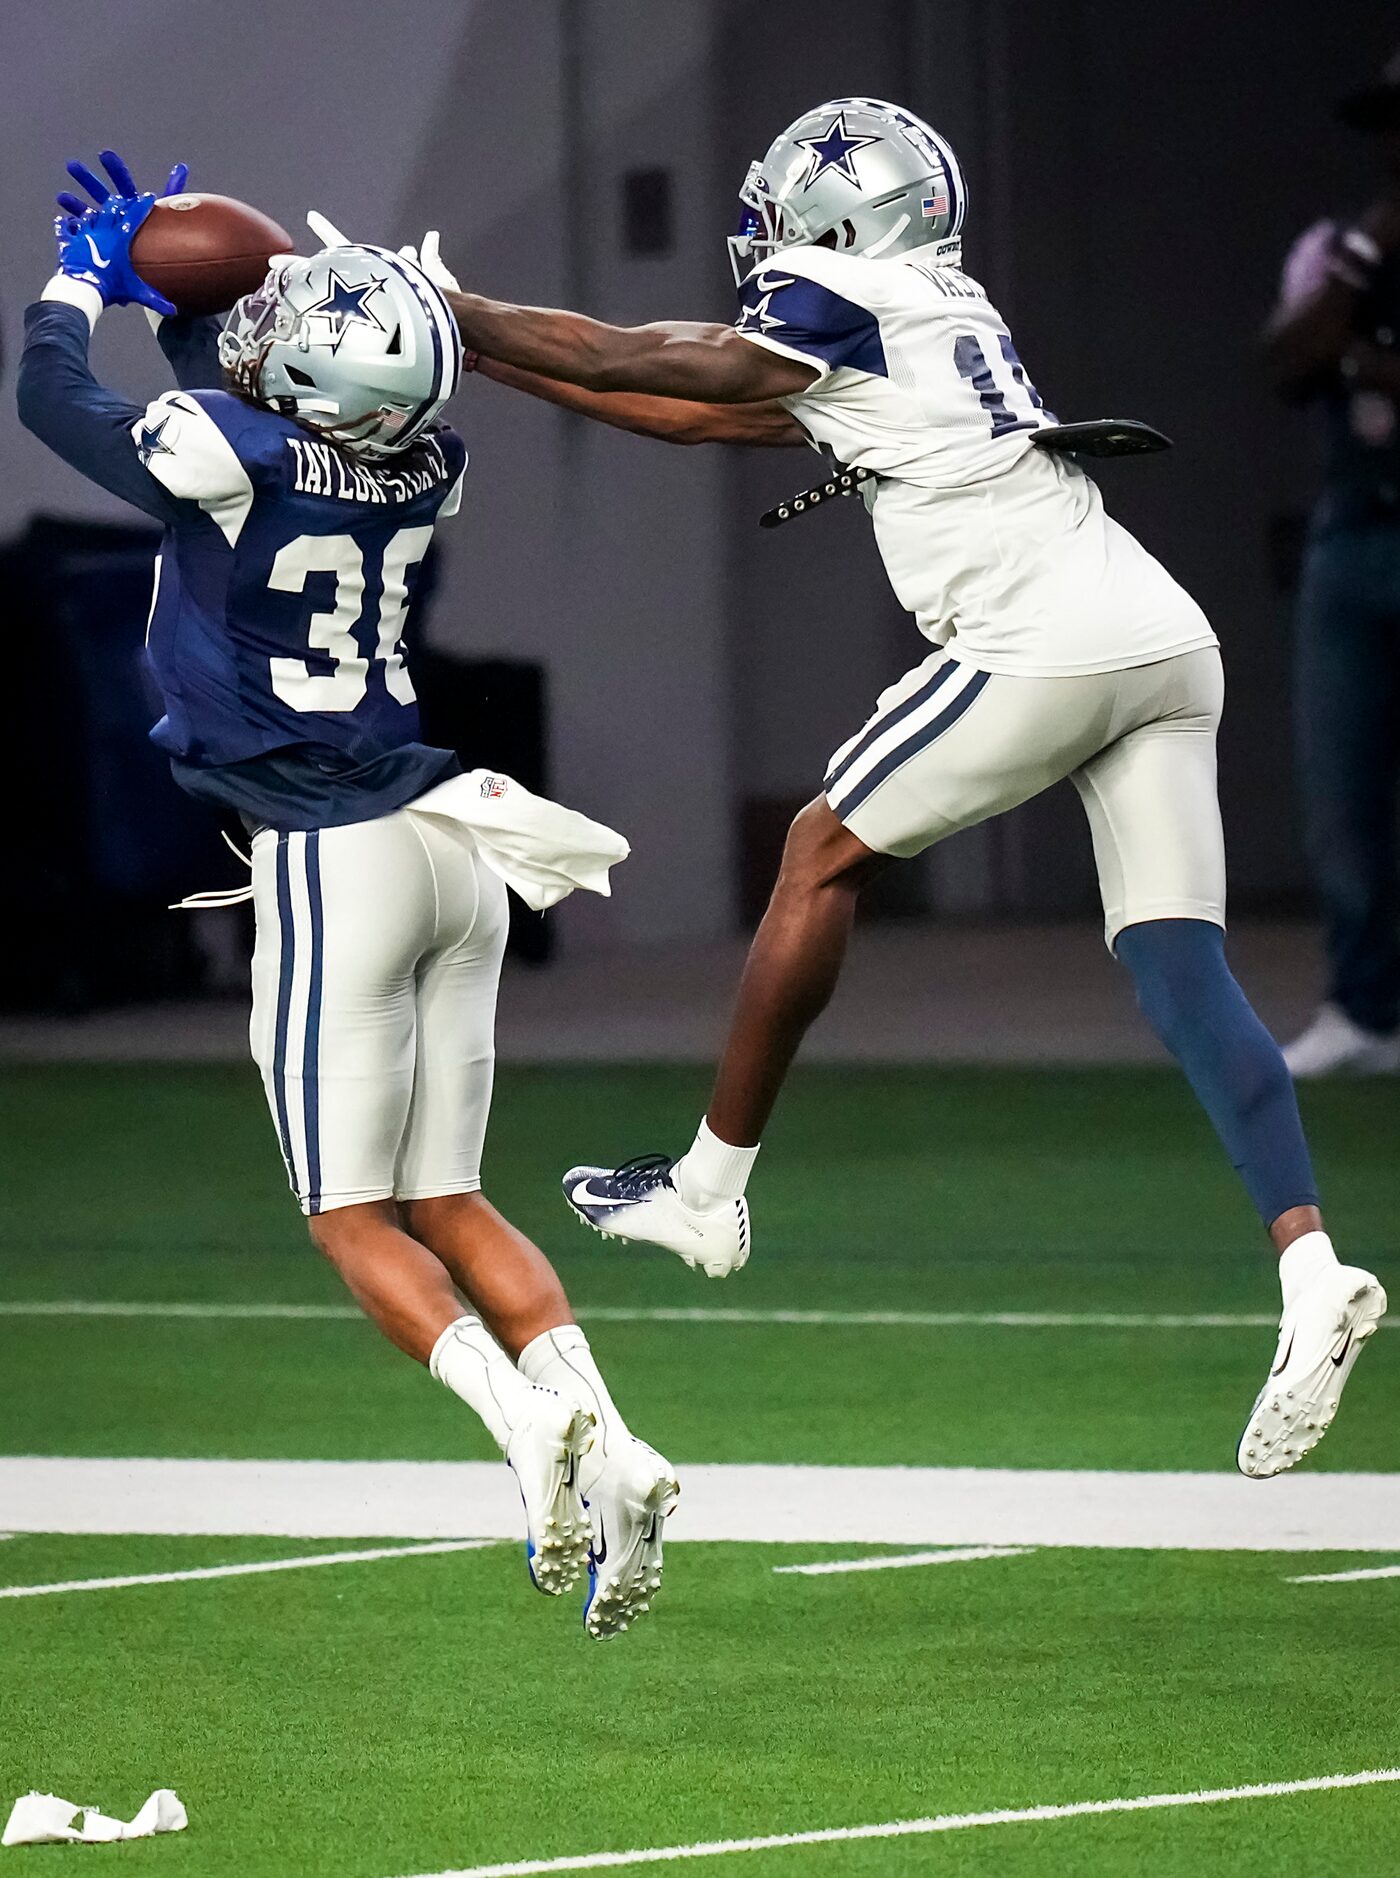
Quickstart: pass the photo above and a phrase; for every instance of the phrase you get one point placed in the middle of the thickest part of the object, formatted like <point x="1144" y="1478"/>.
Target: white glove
<point x="428" y="256"/>
<point x="326" y="231"/>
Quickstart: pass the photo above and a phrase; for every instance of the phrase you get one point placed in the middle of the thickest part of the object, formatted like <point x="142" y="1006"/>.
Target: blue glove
<point x="123" y="182"/>
<point x="96" y="247"/>
<point x="94" y="242"/>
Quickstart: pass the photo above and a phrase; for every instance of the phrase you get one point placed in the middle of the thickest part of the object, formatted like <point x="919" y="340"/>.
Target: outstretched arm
<point x="64" y="406"/>
<point x="686" y="383"/>
<point x="124" y="448"/>
<point x="673" y="359"/>
<point x="674" y="420"/>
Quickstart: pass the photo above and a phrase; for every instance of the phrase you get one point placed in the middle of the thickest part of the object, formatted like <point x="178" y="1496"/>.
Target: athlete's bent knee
<point x="442" y="1211"/>
<point x="336" y="1233"/>
<point x="821" y="851"/>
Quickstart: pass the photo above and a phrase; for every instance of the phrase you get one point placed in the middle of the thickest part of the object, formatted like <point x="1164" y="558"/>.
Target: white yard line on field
<point x="913" y="1828"/>
<point x="1346" y="1578"/>
<point x="908" y="1508"/>
<point x="696" y="1314"/>
<point x="119" y="1307"/>
<point x="245" y="1571"/>
<point x="951" y="1555"/>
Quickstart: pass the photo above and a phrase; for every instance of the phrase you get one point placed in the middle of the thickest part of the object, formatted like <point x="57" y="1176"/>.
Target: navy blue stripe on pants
<point x="286" y="960"/>
<point x="311" y="1045"/>
<point x="887" y="721"/>
<point x="911" y="747"/>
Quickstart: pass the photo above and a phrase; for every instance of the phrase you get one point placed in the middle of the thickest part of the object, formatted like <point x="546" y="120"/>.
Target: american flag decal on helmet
<point x="935" y="206"/>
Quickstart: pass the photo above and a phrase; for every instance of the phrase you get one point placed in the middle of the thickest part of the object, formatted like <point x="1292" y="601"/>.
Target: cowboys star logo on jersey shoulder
<point x="756" y="316"/>
<point x="150" y="439"/>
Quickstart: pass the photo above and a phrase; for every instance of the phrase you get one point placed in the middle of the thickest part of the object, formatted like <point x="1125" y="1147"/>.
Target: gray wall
<point x="1136" y="175"/>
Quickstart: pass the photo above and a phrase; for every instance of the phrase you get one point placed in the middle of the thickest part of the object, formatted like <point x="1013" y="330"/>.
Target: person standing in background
<point x="1334" y="339"/>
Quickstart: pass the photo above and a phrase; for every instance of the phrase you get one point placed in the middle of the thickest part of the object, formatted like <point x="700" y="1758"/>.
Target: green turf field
<point x="431" y="1714"/>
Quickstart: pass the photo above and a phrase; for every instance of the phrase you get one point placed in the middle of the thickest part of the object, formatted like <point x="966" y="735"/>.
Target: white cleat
<point x="1332" y="1045"/>
<point x="543" y="1453"/>
<point x="1321" y="1335"/>
<point x="637" y="1201"/>
<point x="629" y="1505"/>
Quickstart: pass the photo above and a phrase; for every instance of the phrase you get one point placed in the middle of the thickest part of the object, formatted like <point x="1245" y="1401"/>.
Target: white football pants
<point x="375" y="973"/>
<point x="950" y="746"/>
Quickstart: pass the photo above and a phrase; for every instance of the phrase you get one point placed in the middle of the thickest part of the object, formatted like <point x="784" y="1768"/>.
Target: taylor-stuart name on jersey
<point x="321" y="470"/>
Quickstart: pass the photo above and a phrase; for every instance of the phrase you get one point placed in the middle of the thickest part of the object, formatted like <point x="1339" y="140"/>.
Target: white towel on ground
<point x="44" y="1819"/>
<point x="538" y="847"/>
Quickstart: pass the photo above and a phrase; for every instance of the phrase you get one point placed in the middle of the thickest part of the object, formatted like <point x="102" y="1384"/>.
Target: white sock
<point x="711" y="1170"/>
<point x="468" y="1359"/>
<point x="1306" y="1259"/>
<point x="561" y="1360"/>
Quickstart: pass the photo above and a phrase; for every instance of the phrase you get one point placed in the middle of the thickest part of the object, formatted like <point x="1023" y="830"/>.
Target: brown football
<point x="205" y="252"/>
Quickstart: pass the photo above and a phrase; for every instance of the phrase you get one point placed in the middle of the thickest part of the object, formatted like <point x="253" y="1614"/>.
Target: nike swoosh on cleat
<point x="650" y="1538"/>
<point x="600" y="1551"/>
<point x="584" y="1196"/>
<point x="1279" y="1368"/>
<point x="1340" y="1357"/>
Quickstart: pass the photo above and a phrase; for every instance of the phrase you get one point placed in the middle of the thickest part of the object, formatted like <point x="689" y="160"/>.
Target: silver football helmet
<point x="356" y="342"/>
<point x="859" y="175"/>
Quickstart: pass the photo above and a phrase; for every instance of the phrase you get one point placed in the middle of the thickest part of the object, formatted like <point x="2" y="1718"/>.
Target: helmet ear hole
<point x="394" y="349"/>
<point x="299" y="377"/>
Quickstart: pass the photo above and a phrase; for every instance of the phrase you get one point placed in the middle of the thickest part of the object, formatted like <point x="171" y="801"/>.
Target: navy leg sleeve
<point x="1189" y="996"/>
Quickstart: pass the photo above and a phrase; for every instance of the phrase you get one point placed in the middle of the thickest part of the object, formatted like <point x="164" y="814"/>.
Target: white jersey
<point x="1000" y="550"/>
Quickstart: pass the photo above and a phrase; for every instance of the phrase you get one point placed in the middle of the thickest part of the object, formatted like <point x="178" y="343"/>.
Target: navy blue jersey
<point x="283" y="585"/>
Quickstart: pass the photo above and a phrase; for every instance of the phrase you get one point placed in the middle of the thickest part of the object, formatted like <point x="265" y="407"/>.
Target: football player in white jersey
<point x="1061" y="649"/>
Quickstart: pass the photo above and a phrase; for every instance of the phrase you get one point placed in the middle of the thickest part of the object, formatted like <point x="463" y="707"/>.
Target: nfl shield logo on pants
<point x="493" y="786"/>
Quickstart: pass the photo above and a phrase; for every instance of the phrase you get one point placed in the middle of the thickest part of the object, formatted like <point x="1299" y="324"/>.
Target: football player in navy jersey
<point x="1061" y="649"/>
<point x="298" y="473"/>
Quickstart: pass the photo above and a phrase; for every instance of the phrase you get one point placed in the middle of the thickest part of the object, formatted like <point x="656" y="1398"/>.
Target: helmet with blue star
<point x="858" y="175"/>
<point x="355" y="343"/>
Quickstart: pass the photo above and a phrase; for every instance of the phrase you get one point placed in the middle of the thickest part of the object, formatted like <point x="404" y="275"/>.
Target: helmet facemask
<point x="763" y="227"/>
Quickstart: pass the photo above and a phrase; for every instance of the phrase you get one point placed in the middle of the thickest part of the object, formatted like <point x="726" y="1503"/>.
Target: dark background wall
<point x="1137" y="173"/>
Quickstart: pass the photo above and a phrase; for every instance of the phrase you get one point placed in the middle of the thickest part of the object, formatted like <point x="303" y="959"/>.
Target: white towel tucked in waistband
<point x="538" y="847"/>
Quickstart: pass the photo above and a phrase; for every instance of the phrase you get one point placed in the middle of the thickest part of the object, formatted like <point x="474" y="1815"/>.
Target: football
<point x="204" y="252"/>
